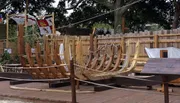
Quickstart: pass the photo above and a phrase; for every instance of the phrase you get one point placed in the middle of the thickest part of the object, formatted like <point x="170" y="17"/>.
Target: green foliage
<point x="18" y="6"/>
<point x="13" y="33"/>
<point x="148" y="12"/>
<point x="102" y="25"/>
<point x="137" y="16"/>
<point x="153" y="27"/>
<point x="88" y="9"/>
<point x="32" y="34"/>
<point x="5" y="58"/>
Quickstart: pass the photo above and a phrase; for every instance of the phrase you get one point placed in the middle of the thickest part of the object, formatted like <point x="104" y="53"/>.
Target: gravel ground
<point x="16" y="100"/>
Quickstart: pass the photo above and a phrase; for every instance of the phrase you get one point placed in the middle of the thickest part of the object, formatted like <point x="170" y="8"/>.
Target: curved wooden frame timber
<point x="110" y="61"/>
<point x="118" y="60"/>
<point x="94" y="56"/>
<point x="134" y="61"/>
<point x="94" y="66"/>
<point x="88" y="73"/>
<point x="40" y="60"/>
<point x="103" y="59"/>
<point x="48" y="65"/>
<point x="48" y="60"/>
<point x="58" y="60"/>
<point x="125" y="71"/>
<point x="36" y="73"/>
<point x="95" y="60"/>
<point x="126" y="61"/>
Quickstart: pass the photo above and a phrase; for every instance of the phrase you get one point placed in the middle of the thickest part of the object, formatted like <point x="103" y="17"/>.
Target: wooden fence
<point x="156" y="39"/>
<point x="81" y="45"/>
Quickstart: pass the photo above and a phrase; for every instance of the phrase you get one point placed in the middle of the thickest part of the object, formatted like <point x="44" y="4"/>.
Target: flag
<point x="45" y="25"/>
<point x="20" y="19"/>
<point x="1" y="18"/>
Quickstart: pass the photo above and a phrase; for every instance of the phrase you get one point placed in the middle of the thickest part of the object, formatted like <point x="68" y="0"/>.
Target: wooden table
<point x="165" y="67"/>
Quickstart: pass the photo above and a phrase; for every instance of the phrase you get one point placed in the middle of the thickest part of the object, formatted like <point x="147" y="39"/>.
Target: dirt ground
<point x="108" y="96"/>
<point x="18" y="100"/>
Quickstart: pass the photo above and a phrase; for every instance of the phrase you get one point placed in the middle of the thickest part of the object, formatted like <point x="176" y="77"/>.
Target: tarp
<point x="155" y="52"/>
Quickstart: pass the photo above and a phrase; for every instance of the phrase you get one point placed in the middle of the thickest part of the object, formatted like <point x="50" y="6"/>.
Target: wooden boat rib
<point x="46" y="66"/>
<point x="34" y="72"/>
<point x="118" y="61"/>
<point x="96" y="70"/>
<point x="58" y="61"/>
<point x="125" y="71"/>
<point x="48" y="60"/>
<point x="110" y="61"/>
<point x="40" y="60"/>
<point x="96" y="58"/>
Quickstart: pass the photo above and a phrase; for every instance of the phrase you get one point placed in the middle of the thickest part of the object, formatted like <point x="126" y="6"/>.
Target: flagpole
<point x="26" y="16"/>
<point x="7" y="30"/>
<point x="53" y="25"/>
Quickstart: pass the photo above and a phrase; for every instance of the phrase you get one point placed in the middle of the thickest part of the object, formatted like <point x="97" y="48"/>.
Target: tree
<point x="176" y="14"/>
<point x="108" y="4"/>
<point x="18" y="6"/>
<point x="148" y="12"/>
<point x="89" y="9"/>
<point x="137" y="16"/>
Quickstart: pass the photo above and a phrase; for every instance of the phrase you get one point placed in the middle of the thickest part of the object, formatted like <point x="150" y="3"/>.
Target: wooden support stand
<point x="73" y="84"/>
<point x="166" y="90"/>
<point x="164" y="67"/>
<point x="163" y="54"/>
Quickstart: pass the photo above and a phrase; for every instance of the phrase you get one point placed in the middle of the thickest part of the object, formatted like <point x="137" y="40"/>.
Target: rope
<point x="87" y="68"/>
<point x="114" y="75"/>
<point x="100" y="14"/>
<point x="100" y="48"/>
<point x="118" y="88"/>
<point x="34" y="80"/>
<point x="35" y="67"/>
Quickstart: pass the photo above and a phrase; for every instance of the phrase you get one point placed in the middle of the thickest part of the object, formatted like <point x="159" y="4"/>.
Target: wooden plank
<point x="110" y="61"/>
<point x="155" y="41"/>
<point x="35" y="72"/>
<point x="40" y="60"/>
<point x="21" y="46"/>
<point x="118" y="60"/>
<point x="48" y="61"/>
<point x="58" y="61"/>
<point x="162" y="66"/>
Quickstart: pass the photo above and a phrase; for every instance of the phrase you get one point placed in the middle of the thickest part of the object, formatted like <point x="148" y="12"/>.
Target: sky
<point x="55" y="5"/>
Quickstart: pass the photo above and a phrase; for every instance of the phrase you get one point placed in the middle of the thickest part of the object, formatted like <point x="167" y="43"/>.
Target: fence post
<point x="74" y="48"/>
<point x="92" y="42"/>
<point x="151" y="38"/>
<point x="156" y="41"/>
<point x="95" y="43"/>
<point x="73" y="85"/>
<point x="123" y="44"/>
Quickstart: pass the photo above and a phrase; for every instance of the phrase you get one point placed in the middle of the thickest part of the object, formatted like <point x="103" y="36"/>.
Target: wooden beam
<point x="7" y="30"/>
<point x="21" y="46"/>
<point x="156" y="41"/>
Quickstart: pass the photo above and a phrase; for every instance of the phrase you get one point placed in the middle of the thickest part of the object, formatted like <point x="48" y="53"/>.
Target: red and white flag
<point x="45" y="25"/>
<point x="20" y="19"/>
